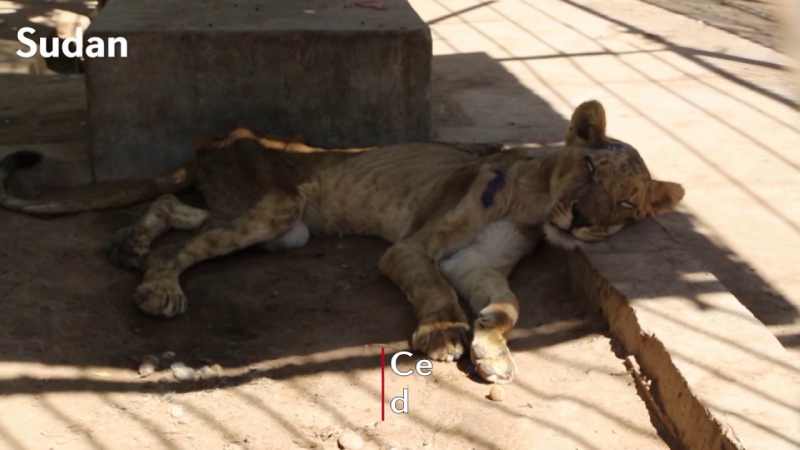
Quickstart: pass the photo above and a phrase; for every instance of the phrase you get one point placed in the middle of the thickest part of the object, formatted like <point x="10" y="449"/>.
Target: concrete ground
<point x="758" y="21"/>
<point x="706" y="108"/>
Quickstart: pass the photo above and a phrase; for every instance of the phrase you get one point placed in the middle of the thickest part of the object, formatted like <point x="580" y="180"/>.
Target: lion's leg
<point x="442" y="323"/>
<point x="160" y="293"/>
<point x="480" y="274"/>
<point x="131" y="245"/>
<point x="497" y="309"/>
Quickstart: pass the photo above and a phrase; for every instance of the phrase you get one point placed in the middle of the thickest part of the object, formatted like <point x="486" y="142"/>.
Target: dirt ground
<point x="297" y="334"/>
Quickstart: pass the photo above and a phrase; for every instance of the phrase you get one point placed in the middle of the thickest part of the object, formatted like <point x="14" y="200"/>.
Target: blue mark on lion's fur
<point x="492" y="187"/>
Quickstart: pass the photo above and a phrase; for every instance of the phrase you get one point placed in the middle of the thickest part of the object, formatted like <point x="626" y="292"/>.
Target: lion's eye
<point x="627" y="205"/>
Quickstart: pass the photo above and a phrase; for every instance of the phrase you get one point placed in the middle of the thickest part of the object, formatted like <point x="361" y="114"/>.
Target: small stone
<point x="168" y="355"/>
<point x="497" y="394"/>
<point x="182" y="372"/>
<point x="176" y="411"/>
<point x="350" y="441"/>
<point x="208" y="372"/>
<point x="205" y="373"/>
<point x="148" y="366"/>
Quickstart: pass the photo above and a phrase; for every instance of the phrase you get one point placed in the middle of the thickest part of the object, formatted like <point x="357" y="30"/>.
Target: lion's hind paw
<point x="440" y="340"/>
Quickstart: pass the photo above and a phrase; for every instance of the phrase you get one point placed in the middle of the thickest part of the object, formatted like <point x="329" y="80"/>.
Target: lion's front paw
<point x="440" y="340"/>
<point x="161" y="297"/>
<point x="491" y="356"/>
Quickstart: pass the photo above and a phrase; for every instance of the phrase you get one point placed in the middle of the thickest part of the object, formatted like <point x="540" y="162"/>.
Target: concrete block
<point x="334" y="74"/>
<point x="46" y="114"/>
<point x="713" y="371"/>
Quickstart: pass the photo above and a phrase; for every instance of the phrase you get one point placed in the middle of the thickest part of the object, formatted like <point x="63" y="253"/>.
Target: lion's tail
<point x="103" y="196"/>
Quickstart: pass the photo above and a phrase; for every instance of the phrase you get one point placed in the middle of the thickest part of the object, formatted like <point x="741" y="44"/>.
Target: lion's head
<point x="618" y="189"/>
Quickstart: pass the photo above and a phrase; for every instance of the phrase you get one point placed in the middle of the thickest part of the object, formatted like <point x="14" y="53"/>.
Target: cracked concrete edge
<point x="692" y="422"/>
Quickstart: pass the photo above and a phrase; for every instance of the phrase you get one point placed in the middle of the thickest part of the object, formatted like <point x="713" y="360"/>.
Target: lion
<point x="457" y="222"/>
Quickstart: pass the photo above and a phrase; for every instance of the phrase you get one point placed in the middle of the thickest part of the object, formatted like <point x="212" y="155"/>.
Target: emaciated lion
<point x="458" y="223"/>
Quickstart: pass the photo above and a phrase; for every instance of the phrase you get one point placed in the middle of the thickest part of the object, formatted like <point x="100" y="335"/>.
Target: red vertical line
<point x="383" y="385"/>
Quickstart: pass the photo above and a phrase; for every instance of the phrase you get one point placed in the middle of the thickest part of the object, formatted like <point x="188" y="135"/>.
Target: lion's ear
<point x="588" y="125"/>
<point x="663" y="196"/>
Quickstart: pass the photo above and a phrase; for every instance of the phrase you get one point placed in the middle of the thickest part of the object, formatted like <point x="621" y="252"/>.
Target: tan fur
<point x="458" y="222"/>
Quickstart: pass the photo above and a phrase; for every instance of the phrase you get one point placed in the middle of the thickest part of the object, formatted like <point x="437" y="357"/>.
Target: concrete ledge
<point x="718" y="377"/>
<point x="334" y="75"/>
